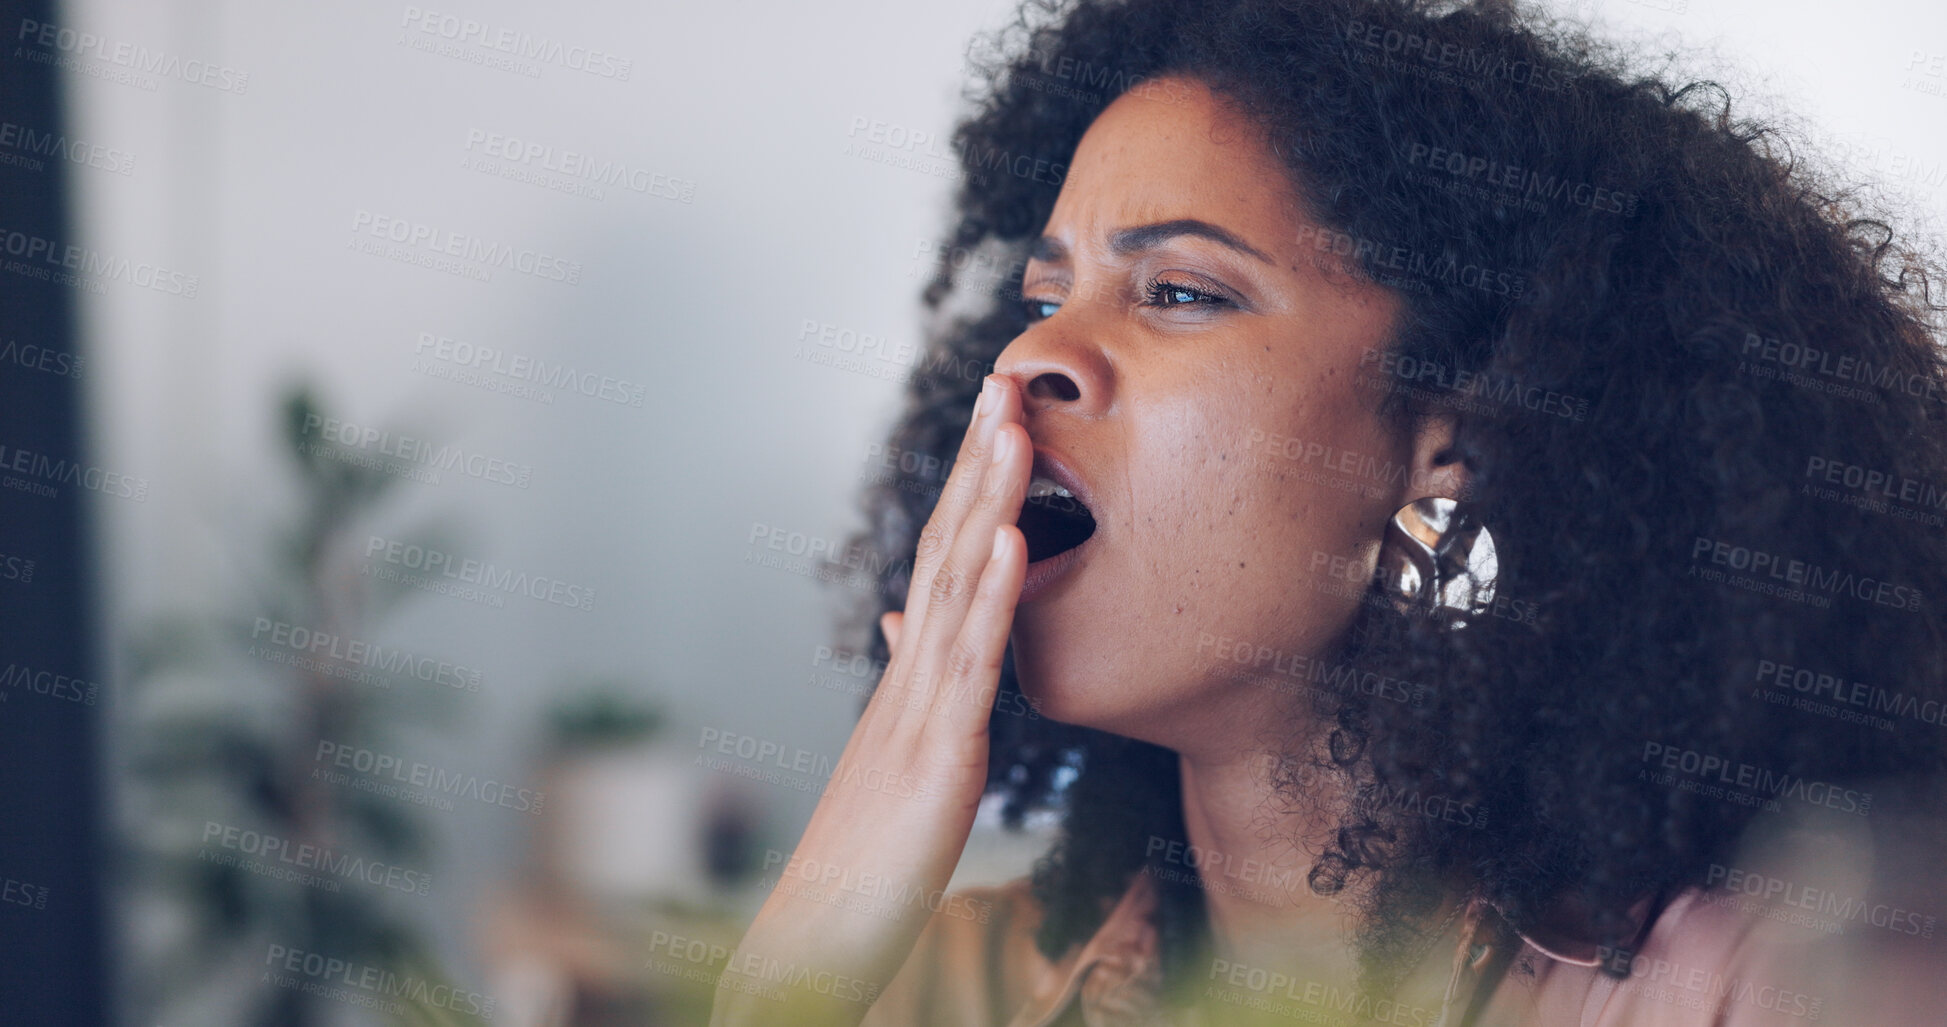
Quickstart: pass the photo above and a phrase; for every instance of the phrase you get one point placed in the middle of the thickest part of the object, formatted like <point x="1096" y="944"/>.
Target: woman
<point x="1284" y="269"/>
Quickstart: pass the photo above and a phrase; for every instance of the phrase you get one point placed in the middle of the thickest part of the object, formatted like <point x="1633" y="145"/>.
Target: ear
<point x="1436" y="470"/>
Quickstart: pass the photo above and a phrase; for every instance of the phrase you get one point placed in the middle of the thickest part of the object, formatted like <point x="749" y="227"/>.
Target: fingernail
<point x="989" y="389"/>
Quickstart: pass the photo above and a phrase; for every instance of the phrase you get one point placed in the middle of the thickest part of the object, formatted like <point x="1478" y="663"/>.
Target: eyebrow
<point x="1142" y="237"/>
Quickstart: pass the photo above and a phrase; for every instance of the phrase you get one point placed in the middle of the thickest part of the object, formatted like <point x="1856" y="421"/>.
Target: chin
<point x="1048" y="677"/>
<point x="1066" y="683"/>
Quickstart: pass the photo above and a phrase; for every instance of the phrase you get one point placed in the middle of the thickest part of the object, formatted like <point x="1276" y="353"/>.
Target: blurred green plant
<point x="600" y="714"/>
<point x="222" y="730"/>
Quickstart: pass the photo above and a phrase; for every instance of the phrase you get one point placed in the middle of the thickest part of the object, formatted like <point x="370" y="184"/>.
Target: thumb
<point x="892" y="623"/>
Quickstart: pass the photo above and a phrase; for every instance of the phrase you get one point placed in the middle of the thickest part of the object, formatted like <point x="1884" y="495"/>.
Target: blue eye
<point x="1040" y="310"/>
<point x="1160" y="293"/>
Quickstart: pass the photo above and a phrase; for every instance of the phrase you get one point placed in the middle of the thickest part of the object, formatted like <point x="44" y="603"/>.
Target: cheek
<point x="1316" y="517"/>
<point x="1238" y="548"/>
<point x="1269" y="541"/>
<point x="1266" y="506"/>
<point x="1306" y="555"/>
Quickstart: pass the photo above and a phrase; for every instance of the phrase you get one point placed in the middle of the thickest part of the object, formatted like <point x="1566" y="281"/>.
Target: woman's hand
<point x="883" y="842"/>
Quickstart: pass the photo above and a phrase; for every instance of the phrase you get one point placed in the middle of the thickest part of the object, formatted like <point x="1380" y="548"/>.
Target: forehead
<point x="1174" y="148"/>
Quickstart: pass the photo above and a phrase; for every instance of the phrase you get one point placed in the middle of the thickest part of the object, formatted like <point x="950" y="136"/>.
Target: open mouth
<point x="1052" y="520"/>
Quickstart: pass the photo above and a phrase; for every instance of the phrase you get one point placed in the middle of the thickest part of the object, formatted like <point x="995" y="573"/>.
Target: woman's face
<point x="1193" y="364"/>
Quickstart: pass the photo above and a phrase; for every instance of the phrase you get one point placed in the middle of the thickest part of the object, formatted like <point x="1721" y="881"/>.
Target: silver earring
<point x="1437" y="560"/>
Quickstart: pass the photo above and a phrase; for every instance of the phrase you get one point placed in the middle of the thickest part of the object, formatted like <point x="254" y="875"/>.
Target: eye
<point x="1039" y="310"/>
<point x="1162" y="293"/>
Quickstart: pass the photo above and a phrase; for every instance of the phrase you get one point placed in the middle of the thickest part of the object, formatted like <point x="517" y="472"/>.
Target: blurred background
<point x="424" y="424"/>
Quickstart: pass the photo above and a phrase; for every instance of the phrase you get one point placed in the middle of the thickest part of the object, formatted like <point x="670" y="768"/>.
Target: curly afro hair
<point x="1721" y="329"/>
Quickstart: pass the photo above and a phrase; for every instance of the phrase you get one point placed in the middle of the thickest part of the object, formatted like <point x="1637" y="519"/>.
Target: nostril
<point x="1055" y="385"/>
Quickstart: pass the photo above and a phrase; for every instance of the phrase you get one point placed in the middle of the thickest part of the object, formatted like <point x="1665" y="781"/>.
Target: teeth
<point x="1040" y="487"/>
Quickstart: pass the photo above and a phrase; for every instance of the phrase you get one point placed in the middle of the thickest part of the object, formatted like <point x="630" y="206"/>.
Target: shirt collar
<point x="1115" y="978"/>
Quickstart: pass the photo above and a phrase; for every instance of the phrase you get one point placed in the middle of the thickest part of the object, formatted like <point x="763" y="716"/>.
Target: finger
<point x="952" y="590"/>
<point x="999" y="403"/>
<point x="976" y="664"/>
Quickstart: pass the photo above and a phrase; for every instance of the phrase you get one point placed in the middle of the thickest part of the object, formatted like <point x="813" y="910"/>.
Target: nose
<point x="1058" y="369"/>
